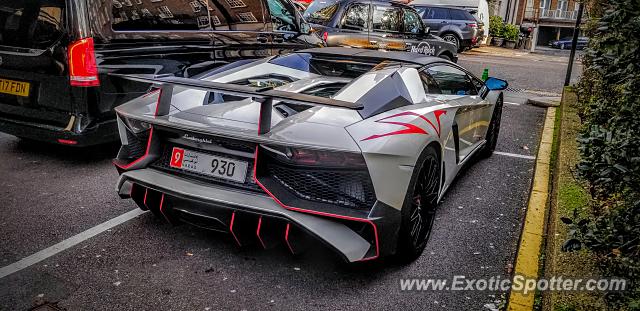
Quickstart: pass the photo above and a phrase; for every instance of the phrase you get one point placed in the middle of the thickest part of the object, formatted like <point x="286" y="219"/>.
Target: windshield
<point x="35" y="24"/>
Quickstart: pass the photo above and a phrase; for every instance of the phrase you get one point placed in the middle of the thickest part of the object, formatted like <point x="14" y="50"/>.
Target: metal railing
<point x="537" y="14"/>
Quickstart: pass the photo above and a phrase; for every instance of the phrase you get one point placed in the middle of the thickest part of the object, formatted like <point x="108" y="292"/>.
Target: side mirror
<point x="495" y="84"/>
<point x="305" y="28"/>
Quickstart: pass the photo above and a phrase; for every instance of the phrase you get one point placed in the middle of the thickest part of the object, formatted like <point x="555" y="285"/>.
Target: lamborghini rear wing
<point x="265" y="95"/>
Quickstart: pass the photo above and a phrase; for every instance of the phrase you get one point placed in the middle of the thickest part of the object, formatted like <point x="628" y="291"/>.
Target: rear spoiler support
<point x="264" y="123"/>
<point x="164" y="100"/>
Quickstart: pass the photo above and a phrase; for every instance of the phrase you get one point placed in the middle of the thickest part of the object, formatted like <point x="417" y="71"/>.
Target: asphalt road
<point x="543" y="71"/>
<point x="50" y="193"/>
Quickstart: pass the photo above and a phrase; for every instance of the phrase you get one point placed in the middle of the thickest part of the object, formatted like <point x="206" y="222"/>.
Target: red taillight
<point x="67" y="141"/>
<point x="325" y="35"/>
<point x="318" y="157"/>
<point x="473" y="25"/>
<point x="83" y="70"/>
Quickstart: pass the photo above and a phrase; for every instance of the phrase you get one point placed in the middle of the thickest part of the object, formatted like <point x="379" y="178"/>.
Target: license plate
<point x="216" y="166"/>
<point x="14" y="87"/>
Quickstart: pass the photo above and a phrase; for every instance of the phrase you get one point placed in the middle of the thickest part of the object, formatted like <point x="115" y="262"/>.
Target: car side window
<point x="438" y="13"/>
<point x="430" y="84"/>
<point x="320" y="16"/>
<point x="387" y="19"/>
<point x="452" y="81"/>
<point x="421" y="10"/>
<point x="477" y="83"/>
<point x="458" y="15"/>
<point x="412" y="22"/>
<point x="357" y="17"/>
<point x="282" y="15"/>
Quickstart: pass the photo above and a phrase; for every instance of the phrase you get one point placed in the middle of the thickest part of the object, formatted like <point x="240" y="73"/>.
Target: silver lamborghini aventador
<point x="353" y="148"/>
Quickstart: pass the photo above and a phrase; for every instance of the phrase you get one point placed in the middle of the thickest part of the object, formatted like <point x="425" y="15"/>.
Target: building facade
<point x="554" y="19"/>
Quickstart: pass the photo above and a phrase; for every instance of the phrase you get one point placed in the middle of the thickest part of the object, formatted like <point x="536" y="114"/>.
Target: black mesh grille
<point x="163" y="164"/>
<point x="137" y="144"/>
<point x="349" y="188"/>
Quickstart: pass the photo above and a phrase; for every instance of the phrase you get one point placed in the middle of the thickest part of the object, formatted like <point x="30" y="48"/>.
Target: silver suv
<point x="454" y="25"/>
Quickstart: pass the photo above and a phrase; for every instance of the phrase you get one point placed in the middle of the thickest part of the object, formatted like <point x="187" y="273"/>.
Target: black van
<point x="56" y="56"/>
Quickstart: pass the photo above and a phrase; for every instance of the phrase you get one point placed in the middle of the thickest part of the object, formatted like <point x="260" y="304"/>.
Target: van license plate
<point x="220" y="167"/>
<point x="14" y="87"/>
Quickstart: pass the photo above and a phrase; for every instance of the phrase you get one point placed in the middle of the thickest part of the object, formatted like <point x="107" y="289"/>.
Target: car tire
<point x="445" y="56"/>
<point x="452" y="38"/>
<point x="418" y="211"/>
<point x="493" y="131"/>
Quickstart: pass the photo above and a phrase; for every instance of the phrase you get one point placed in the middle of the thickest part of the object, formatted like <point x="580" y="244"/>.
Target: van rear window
<point x="31" y="24"/>
<point x="134" y="15"/>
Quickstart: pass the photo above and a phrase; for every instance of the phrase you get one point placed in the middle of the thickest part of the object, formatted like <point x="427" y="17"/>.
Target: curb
<point x="545" y="101"/>
<point x="528" y="256"/>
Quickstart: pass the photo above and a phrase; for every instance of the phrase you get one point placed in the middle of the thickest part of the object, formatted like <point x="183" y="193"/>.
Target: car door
<point x="354" y="28"/>
<point x="436" y="19"/>
<point x="463" y="21"/>
<point x="458" y="89"/>
<point x="414" y="34"/>
<point x="386" y="27"/>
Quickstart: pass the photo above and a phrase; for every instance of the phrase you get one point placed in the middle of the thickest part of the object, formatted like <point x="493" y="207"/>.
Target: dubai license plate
<point x="211" y="165"/>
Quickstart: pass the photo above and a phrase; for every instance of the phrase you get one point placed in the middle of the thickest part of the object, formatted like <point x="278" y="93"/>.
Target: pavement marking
<point x="528" y="257"/>
<point x="515" y="155"/>
<point x="68" y="243"/>
<point x="512" y="103"/>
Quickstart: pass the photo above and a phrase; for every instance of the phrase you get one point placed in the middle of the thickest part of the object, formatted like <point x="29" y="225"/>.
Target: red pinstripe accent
<point x="158" y="103"/>
<point x="258" y="232"/>
<point x="297" y="209"/>
<point x="409" y="128"/>
<point x="146" y="153"/>
<point x="144" y="201"/>
<point x="286" y="238"/>
<point x="161" y="210"/>
<point x="233" y="217"/>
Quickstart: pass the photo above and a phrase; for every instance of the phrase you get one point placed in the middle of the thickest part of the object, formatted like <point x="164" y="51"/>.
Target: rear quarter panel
<point x="391" y="143"/>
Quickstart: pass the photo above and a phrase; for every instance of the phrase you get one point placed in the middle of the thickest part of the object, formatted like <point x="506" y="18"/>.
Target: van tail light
<point x="473" y="25"/>
<point x="325" y="35"/>
<point x="83" y="70"/>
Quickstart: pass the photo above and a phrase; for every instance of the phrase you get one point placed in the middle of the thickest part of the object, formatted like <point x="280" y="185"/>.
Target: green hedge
<point x="609" y="103"/>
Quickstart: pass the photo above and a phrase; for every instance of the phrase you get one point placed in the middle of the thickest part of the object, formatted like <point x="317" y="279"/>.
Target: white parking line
<point x="512" y="103"/>
<point x="70" y="242"/>
<point x="515" y="155"/>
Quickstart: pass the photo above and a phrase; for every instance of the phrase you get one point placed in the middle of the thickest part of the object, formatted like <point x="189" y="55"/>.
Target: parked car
<point x="454" y="25"/>
<point x="480" y="33"/>
<point x="566" y="43"/>
<point x="352" y="147"/>
<point x="375" y="24"/>
<point x="56" y="56"/>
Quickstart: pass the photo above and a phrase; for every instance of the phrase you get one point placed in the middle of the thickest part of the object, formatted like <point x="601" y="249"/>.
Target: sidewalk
<point x="541" y="53"/>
